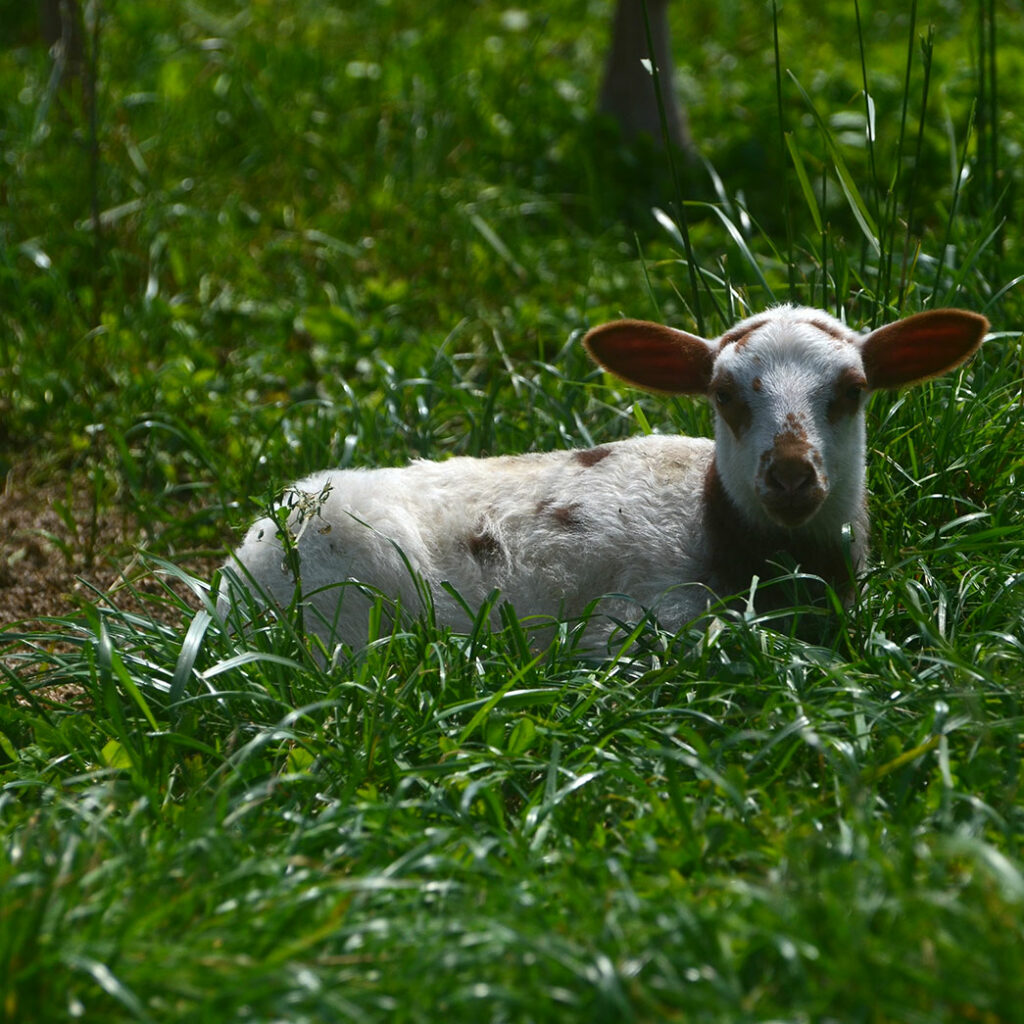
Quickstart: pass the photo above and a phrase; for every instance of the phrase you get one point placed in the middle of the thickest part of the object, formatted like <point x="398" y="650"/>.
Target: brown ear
<point x="653" y="356"/>
<point x="921" y="346"/>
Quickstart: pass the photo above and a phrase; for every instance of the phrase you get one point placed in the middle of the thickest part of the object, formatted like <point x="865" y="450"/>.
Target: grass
<point x="353" y="236"/>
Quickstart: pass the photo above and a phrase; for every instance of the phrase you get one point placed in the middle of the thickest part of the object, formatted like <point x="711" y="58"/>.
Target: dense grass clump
<point x="244" y="241"/>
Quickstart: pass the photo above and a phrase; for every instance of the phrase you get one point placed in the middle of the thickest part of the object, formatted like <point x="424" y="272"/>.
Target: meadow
<point x="251" y="240"/>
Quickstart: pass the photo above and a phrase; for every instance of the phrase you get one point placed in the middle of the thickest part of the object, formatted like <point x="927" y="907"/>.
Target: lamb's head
<point x="788" y="387"/>
<point x="788" y="391"/>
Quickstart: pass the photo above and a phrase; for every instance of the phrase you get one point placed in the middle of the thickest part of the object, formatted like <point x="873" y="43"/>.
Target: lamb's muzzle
<point x="792" y="488"/>
<point x="669" y="521"/>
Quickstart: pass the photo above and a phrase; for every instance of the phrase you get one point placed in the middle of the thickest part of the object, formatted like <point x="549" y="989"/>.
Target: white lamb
<point x="659" y="523"/>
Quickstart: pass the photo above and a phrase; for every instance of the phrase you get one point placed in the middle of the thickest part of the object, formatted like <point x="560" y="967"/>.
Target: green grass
<point x="354" y="236"/>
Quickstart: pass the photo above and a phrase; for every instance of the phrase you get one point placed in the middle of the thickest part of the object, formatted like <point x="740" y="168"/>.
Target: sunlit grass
<point x="353" y="236"/>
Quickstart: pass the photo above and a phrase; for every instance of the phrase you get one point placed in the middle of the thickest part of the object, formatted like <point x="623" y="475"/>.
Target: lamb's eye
<point x="723" y="396"/>
<point x="847" y="399"/>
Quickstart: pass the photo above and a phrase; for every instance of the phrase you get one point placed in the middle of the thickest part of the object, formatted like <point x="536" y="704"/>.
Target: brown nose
<point x="792" y="477"/>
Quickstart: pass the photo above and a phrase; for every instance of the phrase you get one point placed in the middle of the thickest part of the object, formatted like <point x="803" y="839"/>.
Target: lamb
<point x="664" y="524"/>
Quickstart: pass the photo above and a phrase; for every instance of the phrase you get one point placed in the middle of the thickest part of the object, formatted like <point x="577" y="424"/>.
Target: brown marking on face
<point x="793" y="439"/>
<point x="790" y="447"/>
<point x="727" y="399"/>
<point x="847" y="395"/>
<point x="793" y="485"/>
<point x="484" y="546"/>
<point x="738" y="335"/>
<point x="830" y="329"/>
<point x="757" y="384"/>
<point x="591" y="456"/>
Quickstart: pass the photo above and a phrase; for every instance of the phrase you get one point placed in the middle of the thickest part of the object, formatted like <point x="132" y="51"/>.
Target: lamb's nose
<point x="791" y="475"/>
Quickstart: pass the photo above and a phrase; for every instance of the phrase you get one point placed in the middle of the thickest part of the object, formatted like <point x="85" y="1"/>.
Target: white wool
<point x="546" y="530"/>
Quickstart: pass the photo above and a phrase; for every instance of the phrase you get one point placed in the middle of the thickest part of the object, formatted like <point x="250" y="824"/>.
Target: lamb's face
<point x="788" y="389"/>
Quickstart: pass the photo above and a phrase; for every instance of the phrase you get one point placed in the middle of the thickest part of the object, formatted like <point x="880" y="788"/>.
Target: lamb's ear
<point x="653" y="356"/>
<point x="921" y="346"/>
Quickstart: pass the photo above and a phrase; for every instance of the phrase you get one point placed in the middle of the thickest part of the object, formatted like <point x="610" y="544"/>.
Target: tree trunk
<point x="627" y="93"/>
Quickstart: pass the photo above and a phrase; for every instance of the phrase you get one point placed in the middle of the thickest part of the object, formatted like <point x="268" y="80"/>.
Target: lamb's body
<point x="664" y="523"/>
<point x="551" y="531"/>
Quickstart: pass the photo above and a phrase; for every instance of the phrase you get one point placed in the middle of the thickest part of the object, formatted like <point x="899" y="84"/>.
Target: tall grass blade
<point x="960" y="178"/>
<point x="927" y="45"/>
<point x="684" y="230"/>
<point x="805" y="182"/>
<point x="784" y="143"/>
<point x="752" y="261"/>
<point x="190" y="648"/>
<point x="846" y="180"/>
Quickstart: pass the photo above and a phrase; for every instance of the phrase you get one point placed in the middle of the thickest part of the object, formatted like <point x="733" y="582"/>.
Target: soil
<point x="53" y="563"/>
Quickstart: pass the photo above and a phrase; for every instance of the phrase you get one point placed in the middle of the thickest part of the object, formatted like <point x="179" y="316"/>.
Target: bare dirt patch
<point x="54" y="558"/>
<point x="57" y="554"/>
